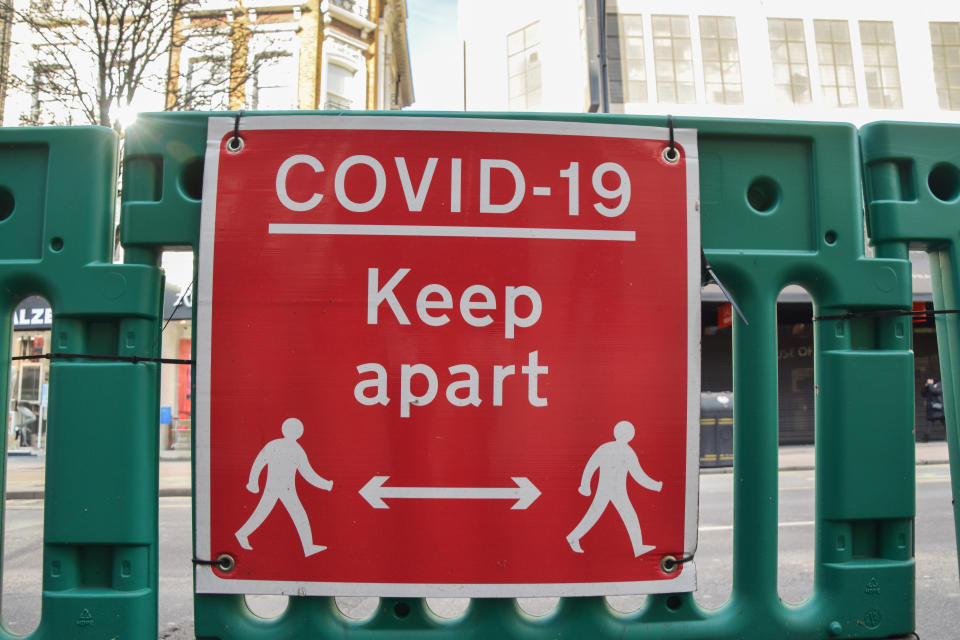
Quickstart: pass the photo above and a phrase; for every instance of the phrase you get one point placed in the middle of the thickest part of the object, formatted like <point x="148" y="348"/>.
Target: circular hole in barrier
<point x="357" y="607"/>
<point x="944" y="182"/>
<point x="6" y="203"/>
<point x="56" y="245"/>
<point x="267" y="607"/>
<point x="448" y="608"/>
<point x="191" y="179"/>
<point x="625" y="604"/>
<point x="235" y="144"/>
<point x="538" y="607"/>
<point x="401" y="609"/>
<point x="763" y="194"/>
<point x="830" y="237"/>
<point x="674" y="602"/>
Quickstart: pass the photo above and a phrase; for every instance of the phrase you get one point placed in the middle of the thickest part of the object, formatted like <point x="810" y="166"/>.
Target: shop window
<point x="715" y="545"/>
<point x="28" y="393"/>
<point x="796" y="489"/>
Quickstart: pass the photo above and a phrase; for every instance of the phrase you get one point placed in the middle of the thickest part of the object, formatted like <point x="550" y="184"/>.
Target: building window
<point x="880" y="65"/>
<point x="49" y="97"/>
<point x="274" y="83"/>
<point x="359" y="7"/>
<point x="838" y="85"/>
<point x="341" y="88"/>
<point x="673" y="60"/>
<point x="945" y="37"/>
<point x="626" y="64"/>
<point x="208" y="83"/>
<point x="523" y="67"/>
<point x="721" y="60"/>
<point x="788" y="48"/>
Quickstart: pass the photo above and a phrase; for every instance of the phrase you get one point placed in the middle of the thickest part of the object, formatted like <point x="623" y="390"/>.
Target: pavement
<point x="25" y="468"/>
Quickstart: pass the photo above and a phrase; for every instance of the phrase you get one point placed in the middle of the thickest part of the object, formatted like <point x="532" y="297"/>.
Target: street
<point x="938" y="590"/>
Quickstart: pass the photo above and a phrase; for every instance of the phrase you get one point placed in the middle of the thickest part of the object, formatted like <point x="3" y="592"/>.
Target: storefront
<point x="30" y="378"/>
<point x="175" y="395"/>
<point x="795" y="384"/>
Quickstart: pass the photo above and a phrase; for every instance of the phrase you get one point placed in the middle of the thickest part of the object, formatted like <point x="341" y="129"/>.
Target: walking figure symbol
<point x="283" y="458"/>
<point x="614" y="460"/>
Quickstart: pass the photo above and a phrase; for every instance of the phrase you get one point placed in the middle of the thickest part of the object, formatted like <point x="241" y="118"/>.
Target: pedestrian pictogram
<point x="418" y="337"/>
<point x="283" y="459"/>
<point x="613" y="462"/>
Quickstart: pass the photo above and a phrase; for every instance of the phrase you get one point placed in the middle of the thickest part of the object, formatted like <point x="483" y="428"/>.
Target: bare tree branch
<point x="93" y="57"/>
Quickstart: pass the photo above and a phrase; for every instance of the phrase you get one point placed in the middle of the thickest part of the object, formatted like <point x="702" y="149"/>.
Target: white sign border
<point x="206" y="581"/>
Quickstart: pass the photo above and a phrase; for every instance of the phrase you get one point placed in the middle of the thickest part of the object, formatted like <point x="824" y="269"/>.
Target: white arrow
<point x="524" y="493"/>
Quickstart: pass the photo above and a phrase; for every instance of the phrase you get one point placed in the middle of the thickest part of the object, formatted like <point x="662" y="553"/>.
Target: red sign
<point x="724" y="316"/>
<point x="447" y="357"/>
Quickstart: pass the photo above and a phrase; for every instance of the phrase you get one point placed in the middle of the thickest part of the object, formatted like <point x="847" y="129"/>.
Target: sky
<point x="434" y="54"/>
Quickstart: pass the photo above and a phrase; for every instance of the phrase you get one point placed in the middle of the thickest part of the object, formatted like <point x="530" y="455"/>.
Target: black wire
<point x="179" y="303"/>
<point x="206" y="562"/>
<point x="886" y="313"/>
<point x="90" y="356"/>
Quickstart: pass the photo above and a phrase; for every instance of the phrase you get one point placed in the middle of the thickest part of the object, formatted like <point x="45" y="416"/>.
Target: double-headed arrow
<point x="524" y="493"/>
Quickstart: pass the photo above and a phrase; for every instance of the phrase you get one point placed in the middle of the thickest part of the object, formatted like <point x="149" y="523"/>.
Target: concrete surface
<point x="25" y="472"/>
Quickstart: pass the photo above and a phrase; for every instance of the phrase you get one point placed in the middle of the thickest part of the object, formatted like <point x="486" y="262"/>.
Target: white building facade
<point x="851" y="61"/>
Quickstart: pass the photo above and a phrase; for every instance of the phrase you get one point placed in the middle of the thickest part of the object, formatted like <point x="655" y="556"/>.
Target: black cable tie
<point x="236" y="125"/>
<point x="886" y="313"/>
<point x="90" y="356"/>
<point x="235" y="143"/>
<point x="206" y="562"/>
<point x="225" y="562"/>
<point x="673" y="147"/>
<point x="723" y="289"/>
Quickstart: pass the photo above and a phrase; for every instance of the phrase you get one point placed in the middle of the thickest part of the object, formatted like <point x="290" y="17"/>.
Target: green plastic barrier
<point x="781" y="204"/>
<point x="57" y="201"/>
<point x="912" y="180"/>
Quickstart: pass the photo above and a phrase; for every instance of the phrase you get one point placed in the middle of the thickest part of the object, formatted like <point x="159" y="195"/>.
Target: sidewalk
<point x="25" y="473"/>
<point x="25" y="476"/>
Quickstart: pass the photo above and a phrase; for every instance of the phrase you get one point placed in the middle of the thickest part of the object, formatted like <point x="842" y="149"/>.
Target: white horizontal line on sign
<point x="451" y="232"/>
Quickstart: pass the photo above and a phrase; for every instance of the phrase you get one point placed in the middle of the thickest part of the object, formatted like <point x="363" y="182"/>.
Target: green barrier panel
<point x="912" y="180"/>
<point x="57" y="200"/>
<point x="781" y="204"/>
